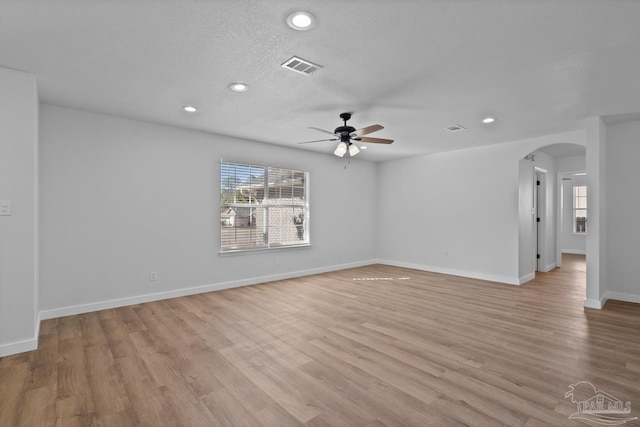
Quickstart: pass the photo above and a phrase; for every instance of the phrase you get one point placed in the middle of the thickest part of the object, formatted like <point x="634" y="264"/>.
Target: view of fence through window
<point x="262" y="207"/>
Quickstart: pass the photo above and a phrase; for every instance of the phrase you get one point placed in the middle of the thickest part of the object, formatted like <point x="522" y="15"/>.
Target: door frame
<point x="540" y="209"/>
<point x="560" y="223"/>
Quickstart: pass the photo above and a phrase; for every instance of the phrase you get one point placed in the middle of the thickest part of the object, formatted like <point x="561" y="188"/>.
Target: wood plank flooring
<point x="373" y="346"/>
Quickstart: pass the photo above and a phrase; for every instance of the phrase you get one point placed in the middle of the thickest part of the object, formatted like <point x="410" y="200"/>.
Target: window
<point x="262" y="207"/>
<point x="580" y="209"/>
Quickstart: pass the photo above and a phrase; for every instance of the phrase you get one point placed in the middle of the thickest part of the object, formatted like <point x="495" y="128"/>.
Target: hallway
<point x="570" y="279"/>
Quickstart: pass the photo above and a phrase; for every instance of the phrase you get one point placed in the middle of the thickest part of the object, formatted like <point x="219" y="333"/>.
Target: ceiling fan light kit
<point x="345" y="134"/>
<point x="341" y="149"/>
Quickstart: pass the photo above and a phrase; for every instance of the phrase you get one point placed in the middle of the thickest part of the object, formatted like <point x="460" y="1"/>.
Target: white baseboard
<point x="549" y="267"/>
<point x="574" y="251"/>
<point x="526" y="278"/>
<point x="635" y="298"/>
<point x="452" y="272"/>
<point x="25" y="345"/>
<point x="593" y="303"/>
<point x="139" y="299"/>
<point x="18" y="347"/>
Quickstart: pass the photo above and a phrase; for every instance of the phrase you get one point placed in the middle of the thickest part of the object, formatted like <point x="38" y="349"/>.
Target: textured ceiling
<point x="415" y="67"/>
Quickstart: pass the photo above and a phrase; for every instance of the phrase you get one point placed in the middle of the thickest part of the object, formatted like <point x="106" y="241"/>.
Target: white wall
<point x="526" y="218"/>
<point x="623" y="178"/>
<point x="122" y="198"/>
<point x="596" y="165"/>
<point x="571" y="164"/>
<point x="465" y="202"/>
<point x="18" y="232"/>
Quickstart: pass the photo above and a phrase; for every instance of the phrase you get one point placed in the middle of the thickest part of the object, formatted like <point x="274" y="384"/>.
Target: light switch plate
<point x="5" y="207"/>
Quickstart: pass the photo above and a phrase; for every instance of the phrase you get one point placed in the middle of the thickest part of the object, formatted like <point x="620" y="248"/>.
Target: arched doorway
<point x="546" y="207"/>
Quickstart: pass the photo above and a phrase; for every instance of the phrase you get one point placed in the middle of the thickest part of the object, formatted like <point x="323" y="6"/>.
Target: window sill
<point x="265" y="249"/>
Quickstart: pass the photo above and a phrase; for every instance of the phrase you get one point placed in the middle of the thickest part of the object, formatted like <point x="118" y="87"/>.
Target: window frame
<point x="267" y="205"/>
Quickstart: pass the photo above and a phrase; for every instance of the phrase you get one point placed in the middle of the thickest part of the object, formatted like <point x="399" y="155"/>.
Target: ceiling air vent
<point x="301" y="66"/>
<point x="455" y="128"/>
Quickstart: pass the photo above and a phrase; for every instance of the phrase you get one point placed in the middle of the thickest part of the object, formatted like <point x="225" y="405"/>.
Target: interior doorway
<point x="540" y="202"/>
<point x="571" y="218"/>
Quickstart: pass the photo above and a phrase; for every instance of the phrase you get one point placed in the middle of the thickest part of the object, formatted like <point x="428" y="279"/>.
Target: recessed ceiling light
<point x="363" y="147"/>
<point x="239" y="87"/>
<point x="301" y="20"/>
<point x="189" y="108"/>
<point x="488" y="120"/>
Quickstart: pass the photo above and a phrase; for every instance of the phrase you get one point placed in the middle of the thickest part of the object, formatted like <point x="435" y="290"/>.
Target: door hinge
<point x="537" y="219"/>
<point x="538" y="182"/>
<point x="538" y="256"/>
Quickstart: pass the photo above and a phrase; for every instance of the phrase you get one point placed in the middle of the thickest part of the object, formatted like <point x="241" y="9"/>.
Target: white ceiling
<point x="415" y="67"/>
<point x="564" y="150"/>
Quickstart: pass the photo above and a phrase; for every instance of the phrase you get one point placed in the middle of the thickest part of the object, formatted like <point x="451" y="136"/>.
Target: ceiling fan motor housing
<point x="344" y="132"/>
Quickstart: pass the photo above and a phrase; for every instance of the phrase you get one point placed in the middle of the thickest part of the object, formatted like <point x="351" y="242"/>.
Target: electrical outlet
<point x="153" y="276"/>
<point x="5" y="207"/>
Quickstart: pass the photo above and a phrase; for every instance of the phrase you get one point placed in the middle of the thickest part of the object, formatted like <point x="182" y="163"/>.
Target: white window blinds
<point x="262" y="207"/>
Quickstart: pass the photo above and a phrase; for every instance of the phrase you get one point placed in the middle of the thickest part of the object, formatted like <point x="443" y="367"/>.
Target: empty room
<point x="338" y="213"/>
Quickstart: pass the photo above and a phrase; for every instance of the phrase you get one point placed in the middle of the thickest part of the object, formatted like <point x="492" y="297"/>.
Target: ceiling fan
<point x="345" y="134"/>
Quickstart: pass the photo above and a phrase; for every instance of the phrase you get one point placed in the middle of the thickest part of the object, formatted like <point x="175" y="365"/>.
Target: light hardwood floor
<point x="371" y="346"/>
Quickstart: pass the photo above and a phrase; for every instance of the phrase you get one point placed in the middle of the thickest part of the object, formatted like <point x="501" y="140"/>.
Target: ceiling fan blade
<point x="365" y="131"/>
<point x="322" y="130"/>
<point x="375" y="140"/>
<point x="318" y="140"/>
